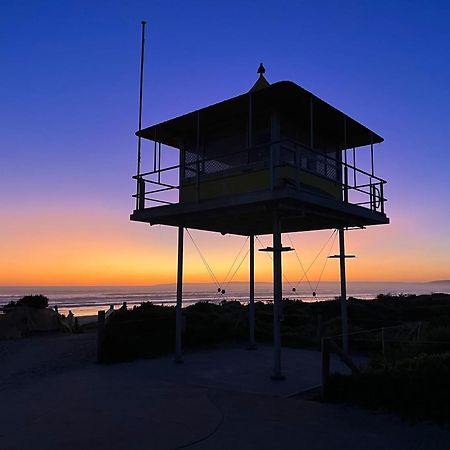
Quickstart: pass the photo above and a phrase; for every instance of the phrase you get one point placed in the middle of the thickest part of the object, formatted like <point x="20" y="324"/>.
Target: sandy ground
<point x="54" y="396"/>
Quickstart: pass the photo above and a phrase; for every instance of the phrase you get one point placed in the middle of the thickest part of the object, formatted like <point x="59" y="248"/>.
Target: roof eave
<point x="153" y="128"/>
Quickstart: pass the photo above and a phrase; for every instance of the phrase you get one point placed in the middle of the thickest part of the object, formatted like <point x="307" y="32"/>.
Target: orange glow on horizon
<point x="95" y="248"/>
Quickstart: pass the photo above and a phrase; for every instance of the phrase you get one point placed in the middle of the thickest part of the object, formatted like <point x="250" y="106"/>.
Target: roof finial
<point x="261" y="82"/>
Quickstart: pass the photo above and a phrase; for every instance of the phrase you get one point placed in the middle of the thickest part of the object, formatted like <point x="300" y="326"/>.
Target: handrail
<point x="247" y="149"/>
<point x="321" y="162"/>
<point x="342" y="163"/>
<point x="201" y="161"/>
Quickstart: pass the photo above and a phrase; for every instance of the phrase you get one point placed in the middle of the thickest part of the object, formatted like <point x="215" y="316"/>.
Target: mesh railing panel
<point x="311" y="161"/>
<point x="359" y="187"/>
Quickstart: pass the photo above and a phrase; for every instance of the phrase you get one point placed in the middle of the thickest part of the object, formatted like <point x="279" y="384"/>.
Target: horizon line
<point x="204" y="283"/>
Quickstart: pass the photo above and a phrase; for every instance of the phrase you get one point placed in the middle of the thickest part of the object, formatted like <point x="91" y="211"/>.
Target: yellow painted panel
<point x="231" y="184"/>
<point x="289" y="175"/>
<point x="242" y="182"/>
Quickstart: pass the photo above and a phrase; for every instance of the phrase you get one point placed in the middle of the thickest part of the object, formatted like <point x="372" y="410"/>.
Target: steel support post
<point x="344" y="321"/>
<point x="251" y="304"/>
<point x="197" y="165"/>
<point x="275" y="136"/>
<point x="179" y="306"/>
<point x="250" y="121"/>
<point x="311" y="121"/>
<point x="277" y="296"/>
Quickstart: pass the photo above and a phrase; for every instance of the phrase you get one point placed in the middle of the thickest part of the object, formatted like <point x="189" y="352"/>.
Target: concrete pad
<point x="239" y="369"/>
<point x="253" y="422"/>
<point x="103" y="408"/>
<point x="218" y="399"/>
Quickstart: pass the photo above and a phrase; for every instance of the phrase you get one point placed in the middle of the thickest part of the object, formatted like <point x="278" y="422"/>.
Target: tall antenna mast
<point x="141" y="85"/>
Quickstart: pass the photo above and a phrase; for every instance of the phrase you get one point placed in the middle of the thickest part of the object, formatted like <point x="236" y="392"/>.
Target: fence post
<point x="100" y="335"/>
<point x="383" y="348"/>
<point x="419" y="327"/>
<point x="58" y="318"/>
<point x="325" y="367"/>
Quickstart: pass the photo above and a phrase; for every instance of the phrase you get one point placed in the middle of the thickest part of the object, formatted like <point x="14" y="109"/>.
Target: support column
<point x="197" y="165"/>
<point x="344" y="322"/>
<point x="179" y="306"/>
<point x="277" y="297"/>
<point x="251" y="304"/>
<point x="250" y="121"/>
<point x="311" y="122"/>
<point x="275" y="136"/>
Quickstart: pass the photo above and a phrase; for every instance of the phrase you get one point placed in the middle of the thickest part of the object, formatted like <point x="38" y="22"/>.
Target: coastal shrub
<point x="149" y="330"/>
<point x="32" y="301"/>
<point x="203" y="307"/>
<point x="437" y="334"/>
<point x="417" y="387"/>
<point x="433" y="340"/>
<point x="144" y="332"/>
<point x="203" y="329"/>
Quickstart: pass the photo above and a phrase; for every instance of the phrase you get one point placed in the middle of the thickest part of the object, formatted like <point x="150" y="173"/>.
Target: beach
<point x="59" y="397"/>
<point x="88" y="300"/>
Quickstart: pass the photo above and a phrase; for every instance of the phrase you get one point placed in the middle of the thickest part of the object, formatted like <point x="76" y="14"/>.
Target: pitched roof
<point x="283" y="95"/>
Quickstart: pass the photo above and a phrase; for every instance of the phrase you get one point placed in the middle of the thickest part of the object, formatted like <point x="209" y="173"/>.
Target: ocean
<point x="88" y="300"/>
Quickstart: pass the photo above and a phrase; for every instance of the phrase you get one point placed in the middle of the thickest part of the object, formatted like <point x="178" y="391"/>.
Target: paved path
<point x="216" y="400"/>
<point x="241" y="370"/>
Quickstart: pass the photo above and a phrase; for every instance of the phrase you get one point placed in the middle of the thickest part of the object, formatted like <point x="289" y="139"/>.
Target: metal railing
<point x="357" y="186"/>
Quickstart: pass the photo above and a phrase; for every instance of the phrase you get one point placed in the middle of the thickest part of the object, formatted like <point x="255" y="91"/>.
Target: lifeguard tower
<point x="275" y="159"/>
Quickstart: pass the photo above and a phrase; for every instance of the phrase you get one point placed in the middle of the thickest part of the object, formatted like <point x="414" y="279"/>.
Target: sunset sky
<point x="69" y="103"/>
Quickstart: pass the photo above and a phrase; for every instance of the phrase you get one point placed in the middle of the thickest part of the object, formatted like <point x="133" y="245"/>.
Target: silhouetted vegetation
<point x="411" y="377"/>
<point x="417" y="388"/>
<point x="149" y="330"/>
<point x="32" y="301"/>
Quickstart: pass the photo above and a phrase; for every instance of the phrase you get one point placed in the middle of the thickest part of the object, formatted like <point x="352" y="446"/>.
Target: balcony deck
<point x="310" y="191"/>
<point x="250" y="213"/>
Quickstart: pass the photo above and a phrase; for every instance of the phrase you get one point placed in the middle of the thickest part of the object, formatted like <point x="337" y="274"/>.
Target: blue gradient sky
<point x="69" y="93"/>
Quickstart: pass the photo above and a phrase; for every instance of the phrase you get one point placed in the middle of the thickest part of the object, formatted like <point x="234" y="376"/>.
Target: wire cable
<point x="234" y="262"/>
<point x="208" y="268"/>
<point x="225" y="283"/>
<point x="326" y="261"/>
<point x="305" y="272"/>
<point x="271" y="258"/>
<point x="301" y="265"/>
<point x="237" y="268"/>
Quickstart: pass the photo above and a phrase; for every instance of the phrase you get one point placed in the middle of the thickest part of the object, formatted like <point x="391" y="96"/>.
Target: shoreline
<point x="88" y="300"/>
